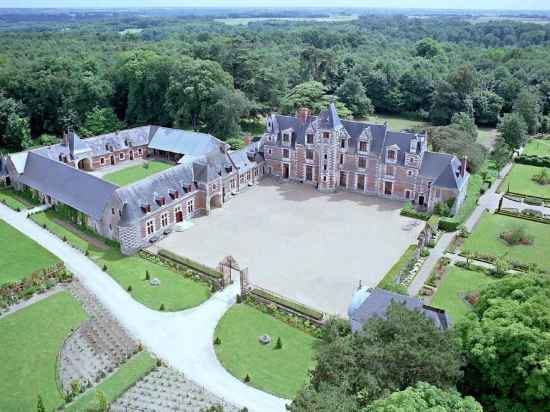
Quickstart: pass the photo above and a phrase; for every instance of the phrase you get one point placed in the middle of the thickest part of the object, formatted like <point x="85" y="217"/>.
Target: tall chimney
<point x="302" y="114"/>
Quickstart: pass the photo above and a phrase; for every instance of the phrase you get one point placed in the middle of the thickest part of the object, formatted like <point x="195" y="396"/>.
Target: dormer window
<point x="286" y="137"/>
<point x="174" y="194"/>
<point x="343" y="143"/>
<point x="146" y="208"/>
<point x="161" y="200"/>
<point x="309" y="138"/>
<point x="326" y="135"/>
<point x="363" y="146"/>
<point x="392" y="155"/>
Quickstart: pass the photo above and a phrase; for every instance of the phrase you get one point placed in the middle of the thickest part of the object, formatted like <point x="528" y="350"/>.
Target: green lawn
<point x="10" y="199"/>
<point x="397" y="123"/>
<point x="281" y="372"/>
<point x="115" y="385"/>
<point x="456" y="283"/>
<point x="175" y="291"/>
<point x="486" y="136"/>
<point x="485" y="239"/>
<point x="519" y="181"/>
<point x="387" y="281"/>
<point x="537" y="147"/>
<point x="20" y="255"/>
<point x="30" y="340"/>
<point x="470" y="202"/>
<point x="132" y="174"/>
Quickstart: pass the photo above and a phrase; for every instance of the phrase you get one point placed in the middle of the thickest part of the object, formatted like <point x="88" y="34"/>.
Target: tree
<point x="487" y="107"/>
<point x="528" y="106"/>
<point x="424" y="397"/>
<point x="190" y="91"/>
<point x="446" y="102"/>
<point x="507" y="346"/>
<point x="513" y="130"/>
<point x="465" y="123"/>
<point x="40" y="405"/>
<point x="226" y="109"/>
<point x="100" y="121"/>
<point x="453" y="140"/>
<point x="389" y="354"/>
<point x="427" y="48"/>
<point x="352" y="94"/>
<point x="14" y="126"/>
<point x="501" y="153"/>
<point x="308" y="94"/>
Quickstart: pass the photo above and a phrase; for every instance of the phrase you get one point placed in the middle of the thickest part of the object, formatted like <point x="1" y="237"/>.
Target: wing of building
<point x="334" y="154"/>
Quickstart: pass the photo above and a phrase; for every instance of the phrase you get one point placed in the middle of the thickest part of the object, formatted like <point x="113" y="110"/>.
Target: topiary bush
<point x="279" y="343"/>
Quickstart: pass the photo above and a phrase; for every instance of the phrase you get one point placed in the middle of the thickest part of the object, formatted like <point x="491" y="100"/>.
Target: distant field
<point x="238" y="21"/>
<point x="485" y="19"/>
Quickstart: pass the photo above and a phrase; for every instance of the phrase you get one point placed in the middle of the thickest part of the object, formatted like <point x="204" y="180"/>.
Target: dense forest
<point x="100" y="75"/>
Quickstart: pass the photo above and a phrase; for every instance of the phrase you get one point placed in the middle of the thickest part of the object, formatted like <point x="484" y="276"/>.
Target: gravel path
<point x="183" y="339"/>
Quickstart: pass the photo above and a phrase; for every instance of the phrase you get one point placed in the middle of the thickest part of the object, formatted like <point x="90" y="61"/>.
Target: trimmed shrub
<point x="247" y="378"/>
<point x="424" y="252"/>
<point x="162" y="307"/>
<point x="409" y="211"/>
<point x="217" y="341"/>
<point x="105" y="267"/>
<point x="191" y="264"/>
<point x="239" y="298"/>
<point x="129" y="289"/>
<point x="147" y="276"/>
<point x="448" y="224"/>
<point x="279" y="343"/>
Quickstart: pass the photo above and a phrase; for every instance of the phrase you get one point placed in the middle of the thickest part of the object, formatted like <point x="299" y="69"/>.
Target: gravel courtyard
<point x="306" y="245"/>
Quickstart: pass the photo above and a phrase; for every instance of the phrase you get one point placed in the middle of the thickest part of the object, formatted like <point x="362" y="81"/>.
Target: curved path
<point x="183" y="339"/>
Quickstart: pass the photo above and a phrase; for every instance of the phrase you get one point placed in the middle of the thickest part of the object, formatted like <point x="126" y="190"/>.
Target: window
<point x="407" y="194"/>
<point x="325" y="168"/>
<point x="113" y="211"/>
<point x="363" y="147"/>
<point x="190" y="206"/>
<point x="390" y="171"/>
<point x="232" y="183"/>
<point x="140" y="151"/>
<point x="164" y="219"/>
<point x="341" y="159"/>
<point x="119" y="213"/>
<point x="269" y="152"/>
<point x="309" y="154"/>
<point x="309" y="138"/>
<point x="391" y="155"/>
<point x="121" y="156"/>
<point x="361" y="182"/>
<point x="102" y="161"/>
<point x="285" y="153"/>
<point x="326" y="135"/>
<point x="343" y="143"/>
<point x="256" y="172"/>
<point x="326" y="156"/>
<point x="324" y="178"/>
<point x="150" y="227"/>
<point x="362" y="162"/>
<point x="309" y="173"/>
<point x="410" y="173"/>
<point x="286" y="137"/>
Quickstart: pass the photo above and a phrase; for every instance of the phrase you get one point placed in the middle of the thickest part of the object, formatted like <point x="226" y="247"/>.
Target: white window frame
<point x="364" y="182"/>
<point x="190" y="205"/>
<point x="121" y="156"/>
<point x="164" y="219"/>
<point x="366" y="143"/>
<point x="102" y="161"/>
<point x="359" y="162"/>
<point x="150" y="224"/>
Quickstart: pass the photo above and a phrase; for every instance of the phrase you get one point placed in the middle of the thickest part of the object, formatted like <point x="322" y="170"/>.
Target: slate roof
<point x="191" y="144"/>
<point x="19" y="160"/>
<point x="3" y="168"/>
<point x="77" y="189"/>
<point x="246" y="158"/>
<point x="443" y="169"/>
<point x="283" y="123"/>
<point x="377" y="302"/>
<point x="217" y="163"/>
<point x="146" y="191"/>
<point x="329" y="119"/>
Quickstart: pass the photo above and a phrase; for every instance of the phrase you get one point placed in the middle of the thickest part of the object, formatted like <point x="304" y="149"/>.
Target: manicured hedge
<point x="409" y="211"/>
<point x="448" y="224"/>
<point x="526" y="216"/>
<point x="296" y="307"/>
<point x="542" y="161"/>
<point x="191" y="264"/>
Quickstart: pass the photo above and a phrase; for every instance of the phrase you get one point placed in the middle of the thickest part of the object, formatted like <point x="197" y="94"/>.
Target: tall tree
<point x="352" y="94"/>
<point x="424" y="397"/>
<point x="527" y="105"/>
<point x="507" y="345"/>
<point x="99" y="121"/>
<point x="513" y="130"/>
<point x="189" y="92"/>
<point x="225" y="111"/>
<point x="389" y="354"/>
<point x="487" y="107"/>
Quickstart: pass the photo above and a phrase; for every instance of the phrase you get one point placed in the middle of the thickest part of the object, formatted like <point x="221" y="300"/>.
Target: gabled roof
<point x="281" y="123"/>
<point x="79" y="190"/>
<point x="133" y="196"/>
<point x="190" y="144"/>
<point x="246" y="158"/>
<point x="329" y="119"/>
<point x="217" y="163"/>
<point x="76" y="145"/>
<point x="442" y="169"/>
<point x="19" y="160"/>
<point x="376" y="302"/>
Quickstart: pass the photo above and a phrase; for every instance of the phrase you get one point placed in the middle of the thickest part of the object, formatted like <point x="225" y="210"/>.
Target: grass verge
<point x="132" y="174"/>
<point x="388" y="281"/>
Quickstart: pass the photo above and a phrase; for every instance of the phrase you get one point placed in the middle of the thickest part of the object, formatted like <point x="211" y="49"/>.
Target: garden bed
<point x="388" y="281"/>
<point x="520" y="182"/>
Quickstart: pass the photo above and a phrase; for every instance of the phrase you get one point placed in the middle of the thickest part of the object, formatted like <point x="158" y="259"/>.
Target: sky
<point x="434" y="4"/>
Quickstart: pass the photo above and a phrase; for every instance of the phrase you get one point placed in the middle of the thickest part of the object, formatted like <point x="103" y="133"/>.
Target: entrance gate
<point x="229" y="266"/>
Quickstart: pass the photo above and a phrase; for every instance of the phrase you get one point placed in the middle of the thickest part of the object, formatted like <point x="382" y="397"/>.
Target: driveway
<point x="308" y="246"/>
<point x="183" y="339"/>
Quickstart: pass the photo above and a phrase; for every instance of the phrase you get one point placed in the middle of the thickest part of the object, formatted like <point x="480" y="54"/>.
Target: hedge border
<point x="191" y="264"/>
<point x="523" y="216"/>
<point x="288" y="304"/>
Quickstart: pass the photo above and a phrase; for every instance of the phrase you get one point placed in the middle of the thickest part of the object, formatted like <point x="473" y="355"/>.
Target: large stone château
<point x="324" y="151"/>
<point x="335" y="154"/>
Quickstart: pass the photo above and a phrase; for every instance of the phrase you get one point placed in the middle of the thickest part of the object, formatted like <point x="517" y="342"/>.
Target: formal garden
<point x="29" y="365"/>
<point x="458" y="291"/>
<point x="154" y="285"/>
<point x="132" y="174"/>
<point x="525" y="179"/>
<point x="537" y="147"/>
<point x="523" y="242"/>
<point x="20" y="256"/>
<point x="263" y="351"/>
